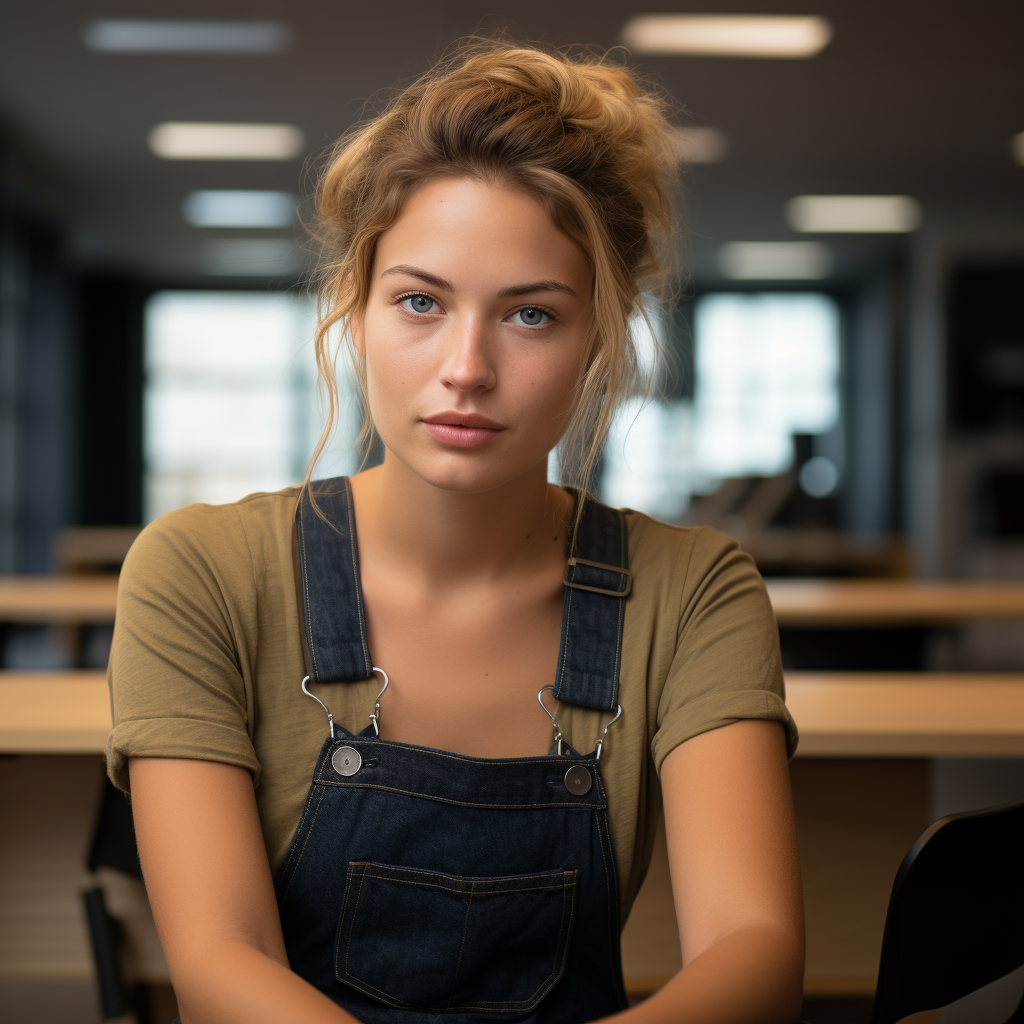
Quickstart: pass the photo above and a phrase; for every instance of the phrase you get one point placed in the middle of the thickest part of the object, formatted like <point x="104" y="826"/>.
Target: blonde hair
<point x="578" y="133"/>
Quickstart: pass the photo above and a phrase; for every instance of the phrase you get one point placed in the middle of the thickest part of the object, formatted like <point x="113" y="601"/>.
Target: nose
<point x="468" y="360"/>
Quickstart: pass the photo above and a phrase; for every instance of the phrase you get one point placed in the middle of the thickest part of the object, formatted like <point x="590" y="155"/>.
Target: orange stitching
<point x="464" y="892"/>
<point x="355" y="568"/>
<point x="440" y="874"/>
<point x="465" y="758"/>
<point x="337" y="944"/>
<point x="304" y="843"/>
<point x="561" y="939"/>
<point x="565" y="641"/>
<point x="291" y="852"/>
<point x="568" y="882"/>
<point x="614" y="899"/>
<point x="462" y="948"/>
<point x="457" y="803"/>
<point x="305" y="587"/>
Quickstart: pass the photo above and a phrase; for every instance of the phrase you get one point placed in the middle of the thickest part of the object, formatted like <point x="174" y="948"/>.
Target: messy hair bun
<point x="580" y="134"/>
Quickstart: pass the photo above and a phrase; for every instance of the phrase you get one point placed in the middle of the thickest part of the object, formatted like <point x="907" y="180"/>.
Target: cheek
<point x="549" y="386"/>
<point x="392" y="366"/>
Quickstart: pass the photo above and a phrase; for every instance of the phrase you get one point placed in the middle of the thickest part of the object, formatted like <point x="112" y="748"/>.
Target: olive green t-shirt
<point x="208" y="657"/>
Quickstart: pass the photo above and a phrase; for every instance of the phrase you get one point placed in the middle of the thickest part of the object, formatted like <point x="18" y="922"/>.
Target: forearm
<point x="751" y="976"/>
<point x="231" y="982"/>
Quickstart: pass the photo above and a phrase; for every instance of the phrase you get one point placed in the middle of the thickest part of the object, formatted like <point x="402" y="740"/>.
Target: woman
<point x="461" y="857"/>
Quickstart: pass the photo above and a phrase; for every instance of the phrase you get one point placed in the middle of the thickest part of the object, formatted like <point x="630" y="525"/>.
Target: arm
<point x="735" y="882"/>
<point x="210" y="887"/>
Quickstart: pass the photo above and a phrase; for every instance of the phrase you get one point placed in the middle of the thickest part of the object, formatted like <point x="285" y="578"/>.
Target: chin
<point x="463" y="473"/>
<point x="464" y="479"/>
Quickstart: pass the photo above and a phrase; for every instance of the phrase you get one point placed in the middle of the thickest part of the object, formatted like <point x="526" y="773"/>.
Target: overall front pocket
<point x="441" y="943"/>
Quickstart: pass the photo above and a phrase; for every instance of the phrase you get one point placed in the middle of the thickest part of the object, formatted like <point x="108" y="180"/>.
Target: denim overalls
<point x="423" y="885"/>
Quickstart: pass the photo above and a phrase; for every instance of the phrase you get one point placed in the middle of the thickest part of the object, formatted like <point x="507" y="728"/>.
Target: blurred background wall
<point x="871" y="356"/>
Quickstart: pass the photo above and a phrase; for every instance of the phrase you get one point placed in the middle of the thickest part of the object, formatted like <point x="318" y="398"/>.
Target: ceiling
<point x="910" y="97"/>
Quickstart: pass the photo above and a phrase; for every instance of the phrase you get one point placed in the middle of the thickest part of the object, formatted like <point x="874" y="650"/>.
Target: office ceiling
<point x="911" y="97"/>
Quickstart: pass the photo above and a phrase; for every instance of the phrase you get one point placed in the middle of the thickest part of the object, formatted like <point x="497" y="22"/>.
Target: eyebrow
<point x="404" y="268"/>
<point x="516" y="289"/>
<point x="536" y="286"/>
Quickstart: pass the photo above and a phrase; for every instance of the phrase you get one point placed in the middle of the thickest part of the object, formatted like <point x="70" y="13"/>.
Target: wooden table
<point x="796" y="602"/>
<point x="907" y="714"/>
<point x="863" y="603"/>
<point x="71" y="600"/>
<point x="840" y="714"/>
<point x="54" y="712"/>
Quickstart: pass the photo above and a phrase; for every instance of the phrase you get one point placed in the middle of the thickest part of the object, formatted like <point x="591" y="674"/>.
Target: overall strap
<point x="332" y="599"/>
<point x="597" y="583"/>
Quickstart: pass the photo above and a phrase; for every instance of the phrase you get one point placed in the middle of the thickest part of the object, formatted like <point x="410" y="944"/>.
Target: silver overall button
<point x="346" y="761"/>
<point x="578" y="780"/>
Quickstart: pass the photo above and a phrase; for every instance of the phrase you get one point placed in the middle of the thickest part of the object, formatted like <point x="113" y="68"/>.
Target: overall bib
<point x="426" y="886"/>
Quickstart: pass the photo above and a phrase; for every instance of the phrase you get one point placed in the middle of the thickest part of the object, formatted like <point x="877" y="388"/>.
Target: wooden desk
<point x="71" y="600"/>
<point x="823" y="603"/>
<point x="853" y="603"/>
<point x="54" y="712"/>
<point x="907" y="714"/>
<point x="839" y="714"/>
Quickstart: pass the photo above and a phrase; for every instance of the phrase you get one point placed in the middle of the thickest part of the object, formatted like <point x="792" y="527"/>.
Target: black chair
<point x="112" y="846"/>
<point x="956" y="914"/>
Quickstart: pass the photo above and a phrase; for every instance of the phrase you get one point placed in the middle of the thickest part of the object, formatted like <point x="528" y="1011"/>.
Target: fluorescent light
<point x="209" y="140"/>
<point x="126" y="35"/>
<point x="257" y="257"/>
<point x="698" y="145"/>
<point x="222" y="208"/>
<point x="775" y="261"/>
<point x="727" y="35"/>
<point x="1017" y="148"/>
<point x="853" y="214"/>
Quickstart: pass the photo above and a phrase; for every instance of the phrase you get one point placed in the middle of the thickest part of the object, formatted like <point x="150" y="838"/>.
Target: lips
<point x="461" y="429"/>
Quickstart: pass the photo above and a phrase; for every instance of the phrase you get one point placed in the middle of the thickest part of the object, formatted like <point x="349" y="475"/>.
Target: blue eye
<point x="418" y="303"/>
<point x="531" y="316"/>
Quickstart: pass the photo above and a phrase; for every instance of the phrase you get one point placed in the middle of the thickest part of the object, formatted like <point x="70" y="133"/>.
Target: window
<point x="766" y="367"/>
<point x="230" y="402"/>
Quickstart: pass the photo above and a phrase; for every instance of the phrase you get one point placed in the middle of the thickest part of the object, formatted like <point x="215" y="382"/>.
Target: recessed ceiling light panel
<point x="698" y="145"/>
<point x="209" y="140"/>
<point x="853" y="214"/>
<point x="148" y="35"/>
<point x="727" y="35"/>
<point x="775" y="261"/>
<point x="239" y="208"/>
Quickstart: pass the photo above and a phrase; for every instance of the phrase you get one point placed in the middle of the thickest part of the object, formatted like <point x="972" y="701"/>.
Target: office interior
<point x="836" y="380"/>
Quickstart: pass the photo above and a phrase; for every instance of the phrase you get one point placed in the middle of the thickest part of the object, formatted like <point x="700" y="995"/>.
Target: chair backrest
<point x="956" y="914"/>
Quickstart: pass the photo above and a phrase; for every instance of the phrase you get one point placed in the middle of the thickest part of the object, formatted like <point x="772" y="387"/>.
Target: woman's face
<point x="473" y="334"/>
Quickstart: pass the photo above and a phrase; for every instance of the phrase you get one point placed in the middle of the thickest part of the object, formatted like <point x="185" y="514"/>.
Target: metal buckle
<point x="559" y="739"/>
<point x="375" y="717"/>
<point x="617" y="569"/>
<point x="330" y="717"/>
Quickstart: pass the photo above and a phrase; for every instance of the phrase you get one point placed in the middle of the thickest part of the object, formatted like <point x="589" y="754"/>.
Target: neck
<point x="452" y="537"/>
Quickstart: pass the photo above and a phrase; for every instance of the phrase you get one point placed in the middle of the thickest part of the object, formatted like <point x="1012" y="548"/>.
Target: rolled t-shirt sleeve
<point x="727" y="665"/>
<point x="183" y="635"/>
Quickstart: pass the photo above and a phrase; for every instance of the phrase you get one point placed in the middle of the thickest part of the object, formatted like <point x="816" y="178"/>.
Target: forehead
<point x="481" y="235"/>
